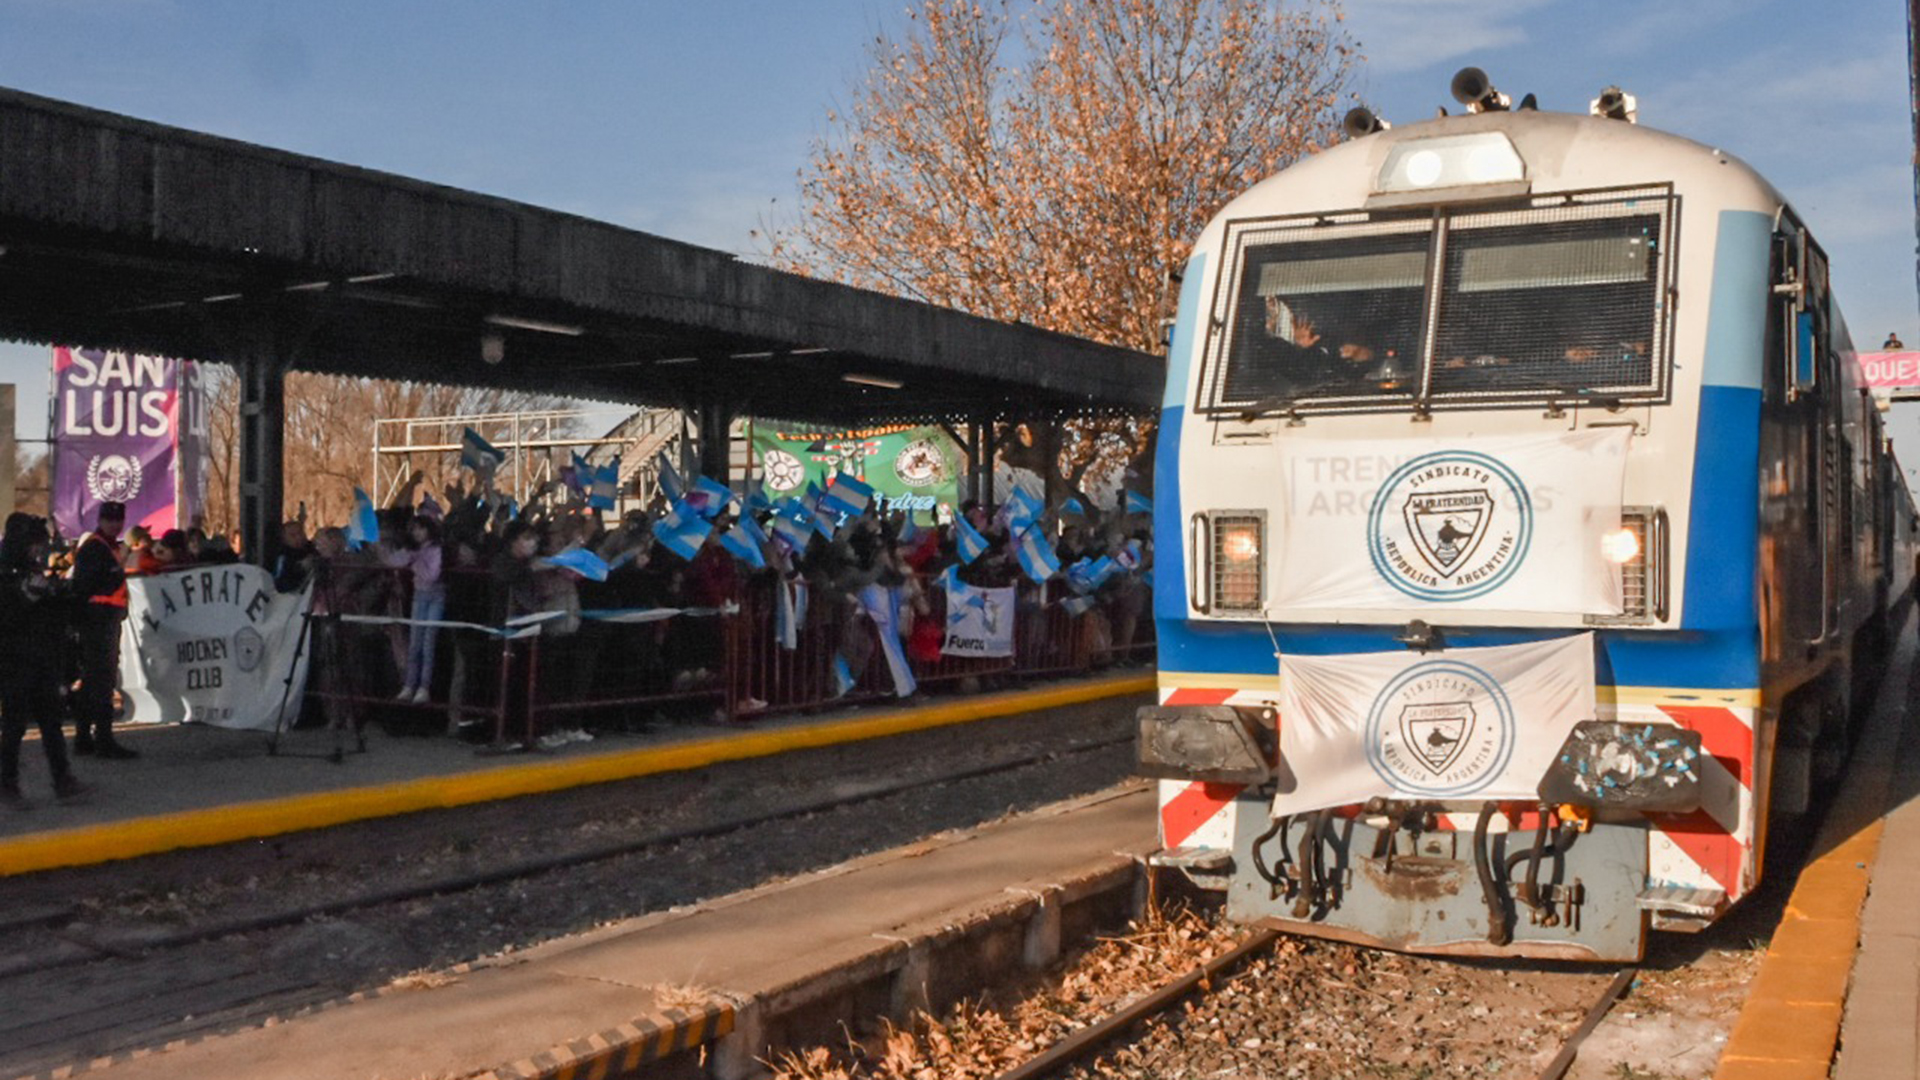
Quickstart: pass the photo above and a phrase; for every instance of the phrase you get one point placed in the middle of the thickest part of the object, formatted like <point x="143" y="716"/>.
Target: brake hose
<point x="1270" y="875"/>
<point x="1499" y="931"/>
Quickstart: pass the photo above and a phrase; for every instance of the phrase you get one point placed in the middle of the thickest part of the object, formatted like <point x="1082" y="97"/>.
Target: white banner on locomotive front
<point x="1458" y="724"/>
<point x="1503" y="523"/>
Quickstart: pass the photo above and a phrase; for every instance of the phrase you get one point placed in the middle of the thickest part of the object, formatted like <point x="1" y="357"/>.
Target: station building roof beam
<point x="124" y="233"/>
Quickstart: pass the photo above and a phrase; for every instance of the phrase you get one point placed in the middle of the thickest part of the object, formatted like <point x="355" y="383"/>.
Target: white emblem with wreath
<point x="920" y="464"/>
<point x="784" y="471"/>
<point x="113" y="477"/>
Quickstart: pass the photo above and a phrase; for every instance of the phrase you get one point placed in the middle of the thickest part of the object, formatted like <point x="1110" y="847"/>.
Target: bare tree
<point x="1052" y="161"/>
<point x="329" y="436"/>
<point x="1063" y="184"/>
<point x="30" y="491"/>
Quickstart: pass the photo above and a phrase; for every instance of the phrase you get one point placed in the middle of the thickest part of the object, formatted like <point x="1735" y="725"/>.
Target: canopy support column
<point x="716" y="441"/>
<point x="263" y="425"/>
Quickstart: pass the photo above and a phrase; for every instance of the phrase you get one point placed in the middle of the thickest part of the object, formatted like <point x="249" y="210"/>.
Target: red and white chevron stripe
<point x="1709" y="848"/>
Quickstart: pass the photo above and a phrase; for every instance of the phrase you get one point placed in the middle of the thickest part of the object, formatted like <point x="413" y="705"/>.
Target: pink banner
<point x="1890" y="370"/>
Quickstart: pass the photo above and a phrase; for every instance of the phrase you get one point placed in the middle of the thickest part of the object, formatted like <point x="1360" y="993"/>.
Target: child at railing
<point x="421" y="556"/>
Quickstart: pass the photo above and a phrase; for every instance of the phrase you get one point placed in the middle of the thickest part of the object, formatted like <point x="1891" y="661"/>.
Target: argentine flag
<point x="364" y="526"/>
<point x="477" y="453"/>
<point x="1022" y="509"/>
<point x="683" y="531"/>
<point x="671" y="485"/>
<point x="743" y="542"/>
<point x="709" y="496"/>
<point x="1073" y="506"/>
<point x="967" y="540"/>
<point x="793" y="525"/>
<point x="848" y="496"/>
<point x="580" y="561"/>
<point x="606" y="482"/>
<point x="1036" y="555"/>
<point x="1138" y="503"/>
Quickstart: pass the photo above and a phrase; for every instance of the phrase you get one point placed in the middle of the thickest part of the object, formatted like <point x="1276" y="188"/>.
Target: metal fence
<point x="518" y="683"/>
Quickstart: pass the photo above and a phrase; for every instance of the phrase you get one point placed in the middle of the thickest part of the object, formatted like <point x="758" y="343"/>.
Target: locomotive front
<point x="1458" y="454"/>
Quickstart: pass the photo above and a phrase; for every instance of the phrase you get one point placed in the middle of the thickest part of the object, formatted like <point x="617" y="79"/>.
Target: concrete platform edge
<point x="271" y="817"/>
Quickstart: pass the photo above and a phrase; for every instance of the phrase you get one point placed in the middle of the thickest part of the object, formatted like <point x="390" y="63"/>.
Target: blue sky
<point x="690" y="119"/>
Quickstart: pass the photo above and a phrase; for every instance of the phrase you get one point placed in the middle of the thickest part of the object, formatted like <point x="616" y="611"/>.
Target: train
<point x="1526" y="539"/>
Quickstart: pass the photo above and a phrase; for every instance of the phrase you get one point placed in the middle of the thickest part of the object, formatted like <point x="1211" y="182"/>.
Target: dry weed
<point x="972" y="1040"/>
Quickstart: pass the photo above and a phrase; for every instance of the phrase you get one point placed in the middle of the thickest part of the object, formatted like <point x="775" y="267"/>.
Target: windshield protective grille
<point x="1545" y="303"/>
<point x="1327" y="314"/>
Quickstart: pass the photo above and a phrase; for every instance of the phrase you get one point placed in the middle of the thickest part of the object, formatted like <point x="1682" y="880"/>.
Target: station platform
<point x="1838" y="990"/>
<point x="725" y="978"/>
<point x="198" y="786"/>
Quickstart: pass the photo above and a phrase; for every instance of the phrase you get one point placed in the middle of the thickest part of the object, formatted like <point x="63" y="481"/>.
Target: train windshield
<point x="1546" y="303"/>
<point x="1335" y="318"/>
<point x="1556" y="305"/>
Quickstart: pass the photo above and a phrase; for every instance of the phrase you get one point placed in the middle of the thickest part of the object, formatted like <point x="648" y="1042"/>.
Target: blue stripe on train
<point x="1169" y="569"/>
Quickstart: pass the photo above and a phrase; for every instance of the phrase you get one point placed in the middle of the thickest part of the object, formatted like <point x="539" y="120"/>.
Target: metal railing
<point x="724" y="665"/>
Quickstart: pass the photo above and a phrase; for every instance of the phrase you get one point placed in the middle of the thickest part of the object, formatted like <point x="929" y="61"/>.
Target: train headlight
<point x="1487" y="157"/>
<point x="1239" y="564"/>
<point x="1620" y="546"/>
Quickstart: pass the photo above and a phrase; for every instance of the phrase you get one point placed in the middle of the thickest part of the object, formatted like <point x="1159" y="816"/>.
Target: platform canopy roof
<point x="122" y="233"/>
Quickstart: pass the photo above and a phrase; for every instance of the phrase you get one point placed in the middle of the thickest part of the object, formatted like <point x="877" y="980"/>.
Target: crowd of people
<point x="448" y="578"/>
<point x="412" y="604"/>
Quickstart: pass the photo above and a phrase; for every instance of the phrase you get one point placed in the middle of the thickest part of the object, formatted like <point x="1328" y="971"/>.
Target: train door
<point x="1802" y="456"/>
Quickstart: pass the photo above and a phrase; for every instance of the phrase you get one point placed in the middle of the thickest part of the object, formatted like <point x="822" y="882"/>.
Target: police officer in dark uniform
<point x="31" y="628"/>
<point x="99" y="584"/>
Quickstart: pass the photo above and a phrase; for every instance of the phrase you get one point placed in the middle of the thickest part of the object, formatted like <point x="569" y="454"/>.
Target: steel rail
<point x="1570" y="1049"/>
<point x="1092" y="1037"/>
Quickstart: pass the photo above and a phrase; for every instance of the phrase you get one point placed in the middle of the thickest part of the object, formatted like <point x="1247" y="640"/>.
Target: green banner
<point x="910" y="468"/>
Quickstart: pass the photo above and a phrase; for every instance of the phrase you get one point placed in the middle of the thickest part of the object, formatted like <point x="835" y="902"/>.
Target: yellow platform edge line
<point x="1778" y="1033"/>
<point x="1606" y="695"/>
<point x="87" y="845"/>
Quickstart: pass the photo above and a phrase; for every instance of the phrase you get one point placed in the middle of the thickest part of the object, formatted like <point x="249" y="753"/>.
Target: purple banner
<point x="116" y="427"/>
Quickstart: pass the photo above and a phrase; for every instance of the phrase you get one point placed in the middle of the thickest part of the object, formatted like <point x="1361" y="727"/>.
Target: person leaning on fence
<point x="32" y="628"/>
<point x="99" y="584"/>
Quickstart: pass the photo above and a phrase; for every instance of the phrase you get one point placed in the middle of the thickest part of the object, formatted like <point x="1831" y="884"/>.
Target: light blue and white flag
<point x="882" y="605"/>
<point x="671" y="485"/>
<point x="909" y="530"/>
<point x="606" y="484"/>
<point x="1088" y="575"/>
<point x="683" y="531"/>
<point x="578" y="476"/>
<point x="825" y="522"/>
<point x="843" y="679"/>
<point x="1130" y="555"/>
<point x="968" y="541"/>
<point x="743" y="542"/>
<point x="1137" y="503"/>
<point x="1036" y="555"/>
<point x="1022" y="509"/>
<point x="758" y="502"/>
<point x="709" y="496"/>
<point x="848" y="496"/>
<point x="793" y="525"/>
<point x="580" y="561"/>
<point x="791" y="613"/>
<point x="1077" y="606"/>
<point x="363" y="527"/>
<point x="477" y="453"/>
<point x="1073" y="506"/>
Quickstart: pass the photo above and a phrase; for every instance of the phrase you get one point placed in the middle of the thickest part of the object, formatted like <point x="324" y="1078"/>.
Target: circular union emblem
<point x="1440" y="729"/>
<point x="920" y="464"/>
<point x="248" y="648"/>
<point x="784" y="471"/>
<point x="113" y="477"/>
<point x="1450" y="525"/>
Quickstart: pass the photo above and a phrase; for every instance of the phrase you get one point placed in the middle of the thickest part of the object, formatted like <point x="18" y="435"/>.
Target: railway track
<point x="1085" y="1044"/>
<point x="95" y="995"/>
